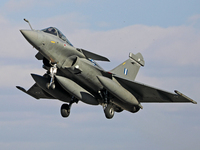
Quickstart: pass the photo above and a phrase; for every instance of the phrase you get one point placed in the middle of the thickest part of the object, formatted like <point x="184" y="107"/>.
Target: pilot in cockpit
<point x="51" y="30"/>
<point x="58" y="33"/>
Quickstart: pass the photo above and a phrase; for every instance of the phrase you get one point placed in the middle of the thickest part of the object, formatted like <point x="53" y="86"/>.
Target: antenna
<point x="28" y="23"/>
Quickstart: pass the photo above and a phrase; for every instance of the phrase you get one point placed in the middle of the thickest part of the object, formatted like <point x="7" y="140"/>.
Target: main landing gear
<point x="108" y="108"/>
<point x="65" y="108"/>
<point x="109" y="111"/>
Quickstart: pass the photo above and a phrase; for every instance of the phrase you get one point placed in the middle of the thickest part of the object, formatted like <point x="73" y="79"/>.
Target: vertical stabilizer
<point x="129" y="68"/>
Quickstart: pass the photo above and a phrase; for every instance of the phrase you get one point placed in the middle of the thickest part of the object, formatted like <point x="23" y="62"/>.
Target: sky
<point x="167" y="33"/>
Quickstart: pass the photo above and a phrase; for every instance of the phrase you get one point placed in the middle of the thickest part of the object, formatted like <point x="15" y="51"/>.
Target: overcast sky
<point x="167" y="33"/>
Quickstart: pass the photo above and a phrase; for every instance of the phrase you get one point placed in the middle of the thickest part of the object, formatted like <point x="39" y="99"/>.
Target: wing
<point x="36" y="92"/>
<point x="93" y="55"/>
<point x="147" y="94"/>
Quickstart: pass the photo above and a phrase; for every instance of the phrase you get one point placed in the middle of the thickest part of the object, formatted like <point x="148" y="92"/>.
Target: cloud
<point x="13" y="44"/>
<point x="103" y="24"/>
<point x="19" y="74"/>
<point x="179" y="45"/>
<point x="3" y="21"/>
<point x="194" y="19"/>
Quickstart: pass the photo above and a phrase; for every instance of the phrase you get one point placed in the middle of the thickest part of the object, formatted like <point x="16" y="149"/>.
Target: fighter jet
<point x="72" y="75"/>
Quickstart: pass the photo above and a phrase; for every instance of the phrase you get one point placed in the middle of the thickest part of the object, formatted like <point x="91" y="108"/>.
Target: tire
<point x="109" y="111"/>
<point x="53" y="86"/>
<point x="65" y="110"/>
<point x="48" y="86"/>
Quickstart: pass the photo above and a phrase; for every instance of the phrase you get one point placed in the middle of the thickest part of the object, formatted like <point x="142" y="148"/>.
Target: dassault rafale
<point x="72" y="75"/>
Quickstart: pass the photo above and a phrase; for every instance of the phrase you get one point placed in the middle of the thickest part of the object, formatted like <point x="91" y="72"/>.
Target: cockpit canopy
<point x="56" y="32"/>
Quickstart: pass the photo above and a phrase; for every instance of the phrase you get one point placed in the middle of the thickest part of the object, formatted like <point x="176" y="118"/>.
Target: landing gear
<point x="53" y="71"/>
<point x="107" y="104"/>
<point x="65" y="108"/>
<point x="51" y="85"/>
<point x="109" y="111"/>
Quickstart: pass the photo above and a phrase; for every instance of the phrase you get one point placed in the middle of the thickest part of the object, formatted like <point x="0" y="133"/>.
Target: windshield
<point x="58" y="33"/>
<point x="50" y="30"/>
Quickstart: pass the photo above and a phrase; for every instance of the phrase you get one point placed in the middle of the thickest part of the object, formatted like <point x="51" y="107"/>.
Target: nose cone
<point x="32" y="37"/>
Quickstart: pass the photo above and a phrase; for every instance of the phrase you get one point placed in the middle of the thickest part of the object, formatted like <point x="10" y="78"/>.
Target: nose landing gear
<point x="53" y="71"/>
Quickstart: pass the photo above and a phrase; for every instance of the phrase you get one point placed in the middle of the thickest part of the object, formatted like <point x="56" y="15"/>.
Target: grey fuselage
<point x="79" y="75"/>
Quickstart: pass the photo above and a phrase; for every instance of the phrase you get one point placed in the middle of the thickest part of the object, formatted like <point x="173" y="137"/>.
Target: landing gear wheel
<point x="48" y="85"/>
<point x="109" y="111"/>
<point x="52" y="86"/>
<point x="65" y="110"/>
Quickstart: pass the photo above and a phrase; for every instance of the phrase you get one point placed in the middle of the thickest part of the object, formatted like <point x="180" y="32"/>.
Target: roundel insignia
<point x="65" y="45"/>
<point x="125" y="71"/>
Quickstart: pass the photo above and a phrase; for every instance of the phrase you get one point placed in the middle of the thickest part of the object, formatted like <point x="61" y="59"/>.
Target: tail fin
<point x="130" y="67"/>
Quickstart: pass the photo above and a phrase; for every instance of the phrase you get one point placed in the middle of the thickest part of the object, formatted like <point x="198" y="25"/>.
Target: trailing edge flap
<point x="36" y="92"/>
<point x="39" y="56"/>
<point x="93" y="56"/>
<point x="148" y="94"/>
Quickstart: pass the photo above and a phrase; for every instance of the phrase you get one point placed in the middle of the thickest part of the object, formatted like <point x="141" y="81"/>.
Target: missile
<point x="77" y="91"/>
<point x="57" y="93"/>
<point x="118" y="91"/>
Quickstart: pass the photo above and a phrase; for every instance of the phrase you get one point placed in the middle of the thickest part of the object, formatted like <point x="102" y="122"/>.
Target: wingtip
<point x="21" y="88"/>
<point x="181" y="94"/>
